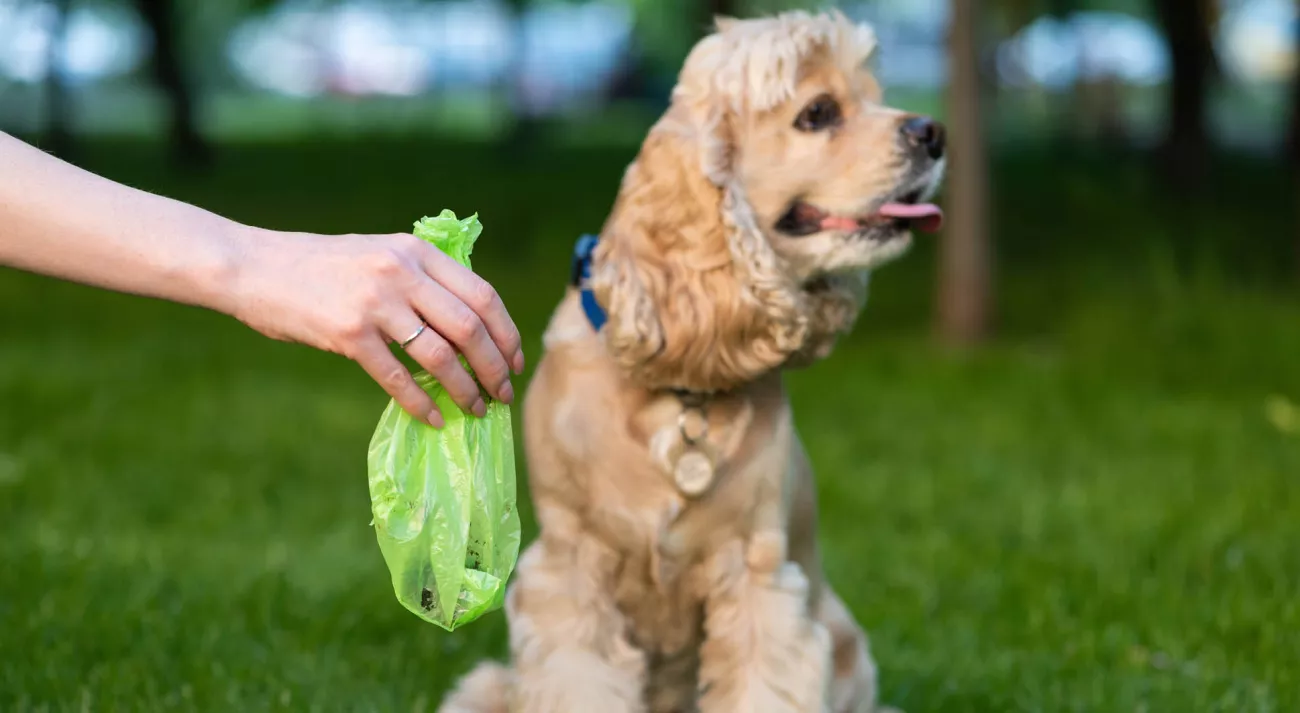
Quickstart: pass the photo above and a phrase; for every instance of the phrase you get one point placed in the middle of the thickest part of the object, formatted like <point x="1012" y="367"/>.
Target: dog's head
<point x="744" y="231"/>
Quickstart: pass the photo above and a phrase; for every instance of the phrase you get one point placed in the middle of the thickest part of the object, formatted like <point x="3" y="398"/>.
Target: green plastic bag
<point x="444" y="500"/>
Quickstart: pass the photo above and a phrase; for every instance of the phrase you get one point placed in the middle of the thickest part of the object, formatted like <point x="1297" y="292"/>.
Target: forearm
<point x="350" y="294"/>
<point x="59" y="220"/>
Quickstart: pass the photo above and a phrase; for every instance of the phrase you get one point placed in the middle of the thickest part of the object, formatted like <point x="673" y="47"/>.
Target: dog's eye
<point x="822" y="113"/>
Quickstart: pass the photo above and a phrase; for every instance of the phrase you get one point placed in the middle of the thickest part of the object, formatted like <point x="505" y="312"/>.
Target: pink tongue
<point x="836" y="222"/>
<point x="925" y="217"/>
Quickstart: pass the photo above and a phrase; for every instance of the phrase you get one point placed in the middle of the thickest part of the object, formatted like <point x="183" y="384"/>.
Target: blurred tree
<point x="58" y="106"/>
<point x="665" y="31"/>
<point x="1011" y="16"/>
<point x="1294" y="137"/>
<point x="189" y="148"/>
<point x="1293" y="131"/>
<point x="1188" y="26"/>
<point x="526" y="127"/>
<point x="964" y="260"/>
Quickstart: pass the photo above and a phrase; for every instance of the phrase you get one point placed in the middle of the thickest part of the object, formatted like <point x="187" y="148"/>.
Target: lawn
<point x="1098" y="511"/>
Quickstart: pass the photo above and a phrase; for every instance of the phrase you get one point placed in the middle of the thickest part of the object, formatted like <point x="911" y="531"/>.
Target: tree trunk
<point x="58" y="109"/>
<point x="1186" y="26"/>
<point x="188" y="145"/>
<point x="964" y="260"/>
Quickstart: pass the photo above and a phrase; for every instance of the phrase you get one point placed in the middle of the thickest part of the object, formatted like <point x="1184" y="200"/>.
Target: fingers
<point x="388" y="372"/>
<point x="483" y="300"/>
<point x="465" y="316"/>
<point x="461" y="326"/>
<point x="439" y="358"/>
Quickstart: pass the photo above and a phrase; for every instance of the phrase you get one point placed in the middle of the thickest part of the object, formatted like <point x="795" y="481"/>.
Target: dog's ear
<point x="695" y="295"/>
<point x="661" y="255"/>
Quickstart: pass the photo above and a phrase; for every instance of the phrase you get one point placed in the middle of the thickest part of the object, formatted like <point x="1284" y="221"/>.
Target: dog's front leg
<point x="763" y="652"/>
<point x="568" y="640"/>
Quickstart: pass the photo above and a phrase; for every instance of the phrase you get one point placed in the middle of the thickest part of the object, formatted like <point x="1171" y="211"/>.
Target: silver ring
<point x="417" y="333"/>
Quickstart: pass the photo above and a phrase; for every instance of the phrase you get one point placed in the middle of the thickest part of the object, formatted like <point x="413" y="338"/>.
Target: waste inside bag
<point x="444" y="500"/>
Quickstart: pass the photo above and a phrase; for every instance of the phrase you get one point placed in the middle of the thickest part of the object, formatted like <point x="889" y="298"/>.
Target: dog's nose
<point x="925" y="134"/>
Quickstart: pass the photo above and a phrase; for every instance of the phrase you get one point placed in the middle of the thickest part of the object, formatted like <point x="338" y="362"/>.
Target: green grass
<point x="1093" y="513"/>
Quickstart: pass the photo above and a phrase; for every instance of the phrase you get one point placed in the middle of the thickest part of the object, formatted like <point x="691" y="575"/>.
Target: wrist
<point x="221" y="283"/>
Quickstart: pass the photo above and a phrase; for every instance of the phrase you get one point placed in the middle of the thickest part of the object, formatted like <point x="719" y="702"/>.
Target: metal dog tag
<point x="693" y="473"/>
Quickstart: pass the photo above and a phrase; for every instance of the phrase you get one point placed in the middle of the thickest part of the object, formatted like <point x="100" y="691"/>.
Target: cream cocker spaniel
<point x="677" y="568"/>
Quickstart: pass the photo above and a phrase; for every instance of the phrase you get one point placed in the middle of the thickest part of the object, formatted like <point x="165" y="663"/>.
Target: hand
<point x="353" y="294"/>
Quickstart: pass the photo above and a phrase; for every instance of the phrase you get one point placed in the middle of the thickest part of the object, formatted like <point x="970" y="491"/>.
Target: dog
<point x="677" y="567"/>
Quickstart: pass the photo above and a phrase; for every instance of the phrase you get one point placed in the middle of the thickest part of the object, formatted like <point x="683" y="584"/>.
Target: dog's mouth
<point x="900" y="214"/>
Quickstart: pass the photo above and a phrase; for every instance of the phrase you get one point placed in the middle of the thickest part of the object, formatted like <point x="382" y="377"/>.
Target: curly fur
<point x="639" y="597"/>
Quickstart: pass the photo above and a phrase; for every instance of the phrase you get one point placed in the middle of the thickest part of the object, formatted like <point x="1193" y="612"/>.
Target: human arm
<point x="348" y="294"/>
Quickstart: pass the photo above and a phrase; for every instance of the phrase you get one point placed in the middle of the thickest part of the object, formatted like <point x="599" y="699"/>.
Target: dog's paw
<point x="485" y="690"/>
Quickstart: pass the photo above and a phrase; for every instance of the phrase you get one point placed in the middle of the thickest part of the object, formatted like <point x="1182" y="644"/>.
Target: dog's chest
<point x="664" y="581"/>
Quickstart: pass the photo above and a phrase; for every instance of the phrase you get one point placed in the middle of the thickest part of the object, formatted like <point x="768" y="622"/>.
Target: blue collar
<point x="580" y="277"/>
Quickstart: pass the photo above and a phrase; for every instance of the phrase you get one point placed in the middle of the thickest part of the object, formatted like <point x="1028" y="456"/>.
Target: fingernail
<point x="480" y="408"/>
<point x="507" y="393"/>
<point x="518" y="362"/>
<point x="435" y="419"/>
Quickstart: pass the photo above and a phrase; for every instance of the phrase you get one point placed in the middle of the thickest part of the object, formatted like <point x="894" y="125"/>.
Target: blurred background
<point x="1059" y="460"/>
